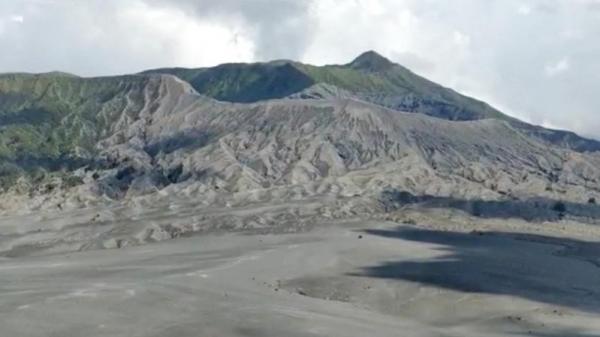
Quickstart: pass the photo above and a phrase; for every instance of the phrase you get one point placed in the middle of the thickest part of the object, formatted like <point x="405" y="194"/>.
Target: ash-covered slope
<point x="138" y="134"/>
<point x="286" y="142"/>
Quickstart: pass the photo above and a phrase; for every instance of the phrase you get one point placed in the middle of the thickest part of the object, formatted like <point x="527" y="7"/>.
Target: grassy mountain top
<point x="370" y="76"/>
<point x="371" y="61"/>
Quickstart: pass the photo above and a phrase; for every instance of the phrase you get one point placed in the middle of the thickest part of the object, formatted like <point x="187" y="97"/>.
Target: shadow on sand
<point x="535" y="210"/>
<point x="564" y="333"/>
<point x="545" y="269"/>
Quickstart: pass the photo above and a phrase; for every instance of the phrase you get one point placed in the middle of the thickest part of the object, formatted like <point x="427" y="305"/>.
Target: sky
<point x="537" y="60"/>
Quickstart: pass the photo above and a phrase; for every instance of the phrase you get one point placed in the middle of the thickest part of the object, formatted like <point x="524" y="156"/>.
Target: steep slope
<point x="370" y="77"/>
<point x="295" y="142"/>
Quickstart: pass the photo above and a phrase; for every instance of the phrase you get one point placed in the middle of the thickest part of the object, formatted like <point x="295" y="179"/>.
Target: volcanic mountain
<point x="301" y="130"/>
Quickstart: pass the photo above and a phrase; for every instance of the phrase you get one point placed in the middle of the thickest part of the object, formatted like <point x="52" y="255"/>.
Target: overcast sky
<point x="536" y="60"/>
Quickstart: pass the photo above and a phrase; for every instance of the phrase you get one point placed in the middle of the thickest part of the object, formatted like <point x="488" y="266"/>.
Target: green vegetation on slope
<point x="245" y="83"/>
<point x="370" y="77"/>
<point x="400" y="89"/>
<point x="53" y="121"/>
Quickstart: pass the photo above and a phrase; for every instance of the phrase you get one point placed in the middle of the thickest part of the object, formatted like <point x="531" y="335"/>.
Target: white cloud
<point x="461" y="39"/>
<point x="524" y="9"/>
<point x="191" y="42"/>
<point x="339" y="38"/>
<point x="112" y="37"/>
<point x="572" y="34"/>
<point x="278" y="28"/>
<point x="556" y="68"/>
<point x="17" y="18"/>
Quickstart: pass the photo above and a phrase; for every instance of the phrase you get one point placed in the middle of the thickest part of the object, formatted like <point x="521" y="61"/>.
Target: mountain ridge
<point x="403" y="90"/>
<point x="371" y="61"/>
<point x="357" y="77"/>
<point x="128" y="135"/>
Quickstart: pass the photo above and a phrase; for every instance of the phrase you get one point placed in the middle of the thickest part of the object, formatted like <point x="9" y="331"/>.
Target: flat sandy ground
<point x="349" y="279"/>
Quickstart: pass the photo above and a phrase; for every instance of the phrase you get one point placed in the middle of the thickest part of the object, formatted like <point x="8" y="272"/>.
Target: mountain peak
<point x="371" y="61"/>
